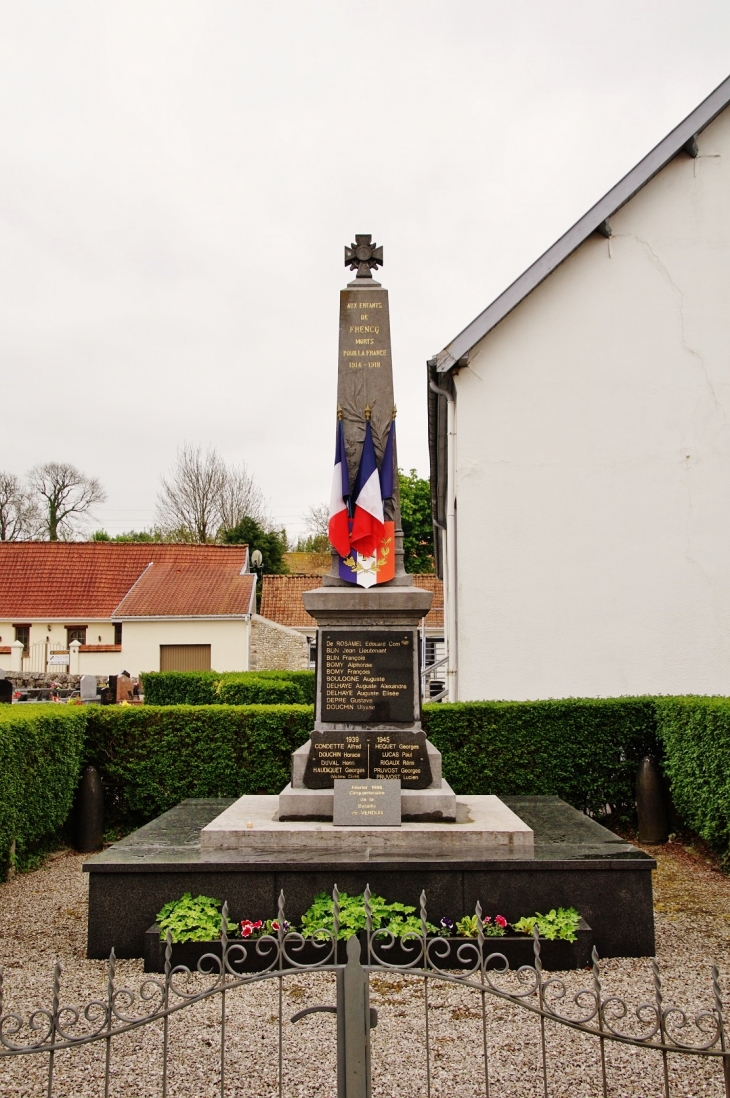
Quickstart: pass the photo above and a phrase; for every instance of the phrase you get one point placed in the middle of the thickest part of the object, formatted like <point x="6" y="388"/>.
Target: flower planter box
<point x="556" y="956"/>
<point x="189" y="953"/>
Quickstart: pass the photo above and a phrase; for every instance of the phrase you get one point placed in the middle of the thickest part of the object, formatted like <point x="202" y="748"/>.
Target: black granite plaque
<point x="401" y="755"/>
<point x="367" y="804"/>
<point x="335" y="755"/>
<point x="377" y="755"/>
<point x="367" y="676"/>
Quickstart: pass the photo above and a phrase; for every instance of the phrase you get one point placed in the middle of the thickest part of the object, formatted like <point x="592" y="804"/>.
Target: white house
<point x="580" y="447"/>
<point x="101" y="607"/>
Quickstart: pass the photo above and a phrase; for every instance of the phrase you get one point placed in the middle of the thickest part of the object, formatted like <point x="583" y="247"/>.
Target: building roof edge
<point x="681" y="137"/>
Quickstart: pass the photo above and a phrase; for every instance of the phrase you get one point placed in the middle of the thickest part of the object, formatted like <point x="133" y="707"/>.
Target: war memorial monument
<point x="367" y="802"/>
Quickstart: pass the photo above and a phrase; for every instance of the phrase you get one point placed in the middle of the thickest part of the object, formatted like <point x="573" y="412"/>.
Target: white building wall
<point x="228" y="638"/>
<point x="593" y="460"/>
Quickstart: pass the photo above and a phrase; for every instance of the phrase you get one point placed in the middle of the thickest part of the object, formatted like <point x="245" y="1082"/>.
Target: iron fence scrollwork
<point x="657" y="1026"/>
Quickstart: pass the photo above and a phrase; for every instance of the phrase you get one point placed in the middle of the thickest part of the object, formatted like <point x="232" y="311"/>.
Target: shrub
<point x="247" y="690"/>
<point x="695" y="737"/>
<point x="230" y="688"/>
<point x="581" y="749"/>
<point x="40" y="758"/>
<point x="152" y="757"/>
<point x="180" y="687"/>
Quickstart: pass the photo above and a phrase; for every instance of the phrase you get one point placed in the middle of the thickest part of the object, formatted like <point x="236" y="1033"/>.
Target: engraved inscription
<point x="364" y="331"/>
<point x="386" y="756"/>
<point x="367" y="676"/>
<point x="368" y="804"/>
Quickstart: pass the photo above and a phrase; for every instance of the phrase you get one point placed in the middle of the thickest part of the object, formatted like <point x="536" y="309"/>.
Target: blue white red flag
<point x="387" y="469"/>
<point x="368" y="519"/>
<point x="338" y="527"/>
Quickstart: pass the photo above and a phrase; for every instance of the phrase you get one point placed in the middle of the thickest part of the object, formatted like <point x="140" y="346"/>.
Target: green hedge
<point x="150" y="758"/>
<point x="40" y="758"/>
<point x="583" y="750"/>
<point x="229" y="688"/>
<point x="695" y="737"/>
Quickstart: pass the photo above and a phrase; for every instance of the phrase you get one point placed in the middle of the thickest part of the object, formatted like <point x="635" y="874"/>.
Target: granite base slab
<point x="575" y="862"/>
<point x="434" y="805"/>
<point x="251" y="826"/>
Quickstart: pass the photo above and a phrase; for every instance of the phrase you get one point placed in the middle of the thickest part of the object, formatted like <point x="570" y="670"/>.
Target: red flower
<point x="500" y="921"/>
<point x="247" y="927"/>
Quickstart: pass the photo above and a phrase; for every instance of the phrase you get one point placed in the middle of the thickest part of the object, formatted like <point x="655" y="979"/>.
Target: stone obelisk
<point x="365" y="379"/>
<point x="368" y="697"/>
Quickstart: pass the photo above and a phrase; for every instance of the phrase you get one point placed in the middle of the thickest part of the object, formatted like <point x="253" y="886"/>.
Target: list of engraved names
<point x="367" y="676"/>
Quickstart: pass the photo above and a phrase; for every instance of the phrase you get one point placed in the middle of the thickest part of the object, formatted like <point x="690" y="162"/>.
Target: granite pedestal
<point x="574" y="861"/>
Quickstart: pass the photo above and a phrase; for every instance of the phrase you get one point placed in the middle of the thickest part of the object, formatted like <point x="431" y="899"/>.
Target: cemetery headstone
<point x="88" y="688"/>
<point x="6" y="691"/>
<point x="367" y="804"/>
<point x="125" y="688"/>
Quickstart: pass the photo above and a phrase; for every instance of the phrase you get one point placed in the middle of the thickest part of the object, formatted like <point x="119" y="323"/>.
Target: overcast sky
<point x="178" y="179"/>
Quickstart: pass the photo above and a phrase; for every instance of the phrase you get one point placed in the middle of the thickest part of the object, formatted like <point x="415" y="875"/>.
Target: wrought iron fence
<point x="659" y="1027"/>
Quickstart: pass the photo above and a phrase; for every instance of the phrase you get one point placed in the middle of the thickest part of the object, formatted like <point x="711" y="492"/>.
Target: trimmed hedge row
<point x="152" y="757"/>
<point x="695" y="736"/>
<point x="583" y="750"/>
<point x="40" y="758"/>
<point x="228" y="688"/>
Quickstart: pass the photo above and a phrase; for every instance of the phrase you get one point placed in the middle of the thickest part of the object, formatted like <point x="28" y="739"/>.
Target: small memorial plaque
<point x="367" y="676"/>
<point x="382" y="755"/>
<point x="367" y="804"/>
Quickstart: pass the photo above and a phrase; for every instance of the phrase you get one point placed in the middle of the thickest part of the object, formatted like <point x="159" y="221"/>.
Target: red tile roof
<point x="193" y="590"/>
<point x="82" y="580"/>
<point x="281" y="599"/>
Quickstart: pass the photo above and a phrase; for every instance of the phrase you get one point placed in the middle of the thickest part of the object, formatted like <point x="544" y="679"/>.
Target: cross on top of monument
<point x="363" y="255"/>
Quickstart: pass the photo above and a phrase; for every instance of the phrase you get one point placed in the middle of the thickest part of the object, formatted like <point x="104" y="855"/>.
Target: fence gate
<point x="666" y="1033"/>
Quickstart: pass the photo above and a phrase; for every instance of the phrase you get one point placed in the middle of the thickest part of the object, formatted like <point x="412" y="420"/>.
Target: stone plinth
<point x="575" y="862"/>
<point x="435" y="804"/>
<point x="251" y="828"/>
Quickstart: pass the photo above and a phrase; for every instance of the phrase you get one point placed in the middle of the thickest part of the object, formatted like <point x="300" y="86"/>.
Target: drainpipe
<point x="450" y="570"/>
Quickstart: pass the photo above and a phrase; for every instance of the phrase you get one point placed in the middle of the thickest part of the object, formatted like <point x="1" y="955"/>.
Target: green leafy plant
<point x="192" y="919"/>
<point x="398" y="919"/>
<point x="558" y="923"/>
<point x="468" y="927"/>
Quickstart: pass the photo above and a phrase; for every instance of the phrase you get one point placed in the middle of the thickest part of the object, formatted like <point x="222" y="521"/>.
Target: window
<point x="22" y="634"/>
<point x="117" y="632"/>
<point x="184" y="657"/>
<point x="75" y="633"/>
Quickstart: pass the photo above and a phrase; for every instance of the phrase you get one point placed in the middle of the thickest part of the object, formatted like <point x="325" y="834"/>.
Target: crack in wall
<point x="659" y="265"/>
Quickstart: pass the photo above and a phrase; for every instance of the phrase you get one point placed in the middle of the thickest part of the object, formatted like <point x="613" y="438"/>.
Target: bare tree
<point x="64" y="495"/>
<point x="241" y="498"/>
<point x="316" y="520"/>
<point x="189" y="500"/>
<point x="202" y="496"/>
<point x="19" y="513"/>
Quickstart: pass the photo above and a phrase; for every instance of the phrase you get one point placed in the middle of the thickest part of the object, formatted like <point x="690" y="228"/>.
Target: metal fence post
<point x="353" y="1026"/>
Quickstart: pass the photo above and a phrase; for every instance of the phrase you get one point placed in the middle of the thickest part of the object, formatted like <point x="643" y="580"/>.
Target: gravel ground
<point x="43" y="919"/>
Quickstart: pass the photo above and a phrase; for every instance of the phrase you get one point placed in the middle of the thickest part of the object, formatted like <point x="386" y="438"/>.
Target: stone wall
<point x="276" y="647"/>
<point x="43" y="679"/>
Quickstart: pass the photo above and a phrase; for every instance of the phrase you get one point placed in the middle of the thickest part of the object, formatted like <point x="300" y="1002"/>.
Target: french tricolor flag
<point x="337" y="530"/>
<point x="368" y="520"/>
